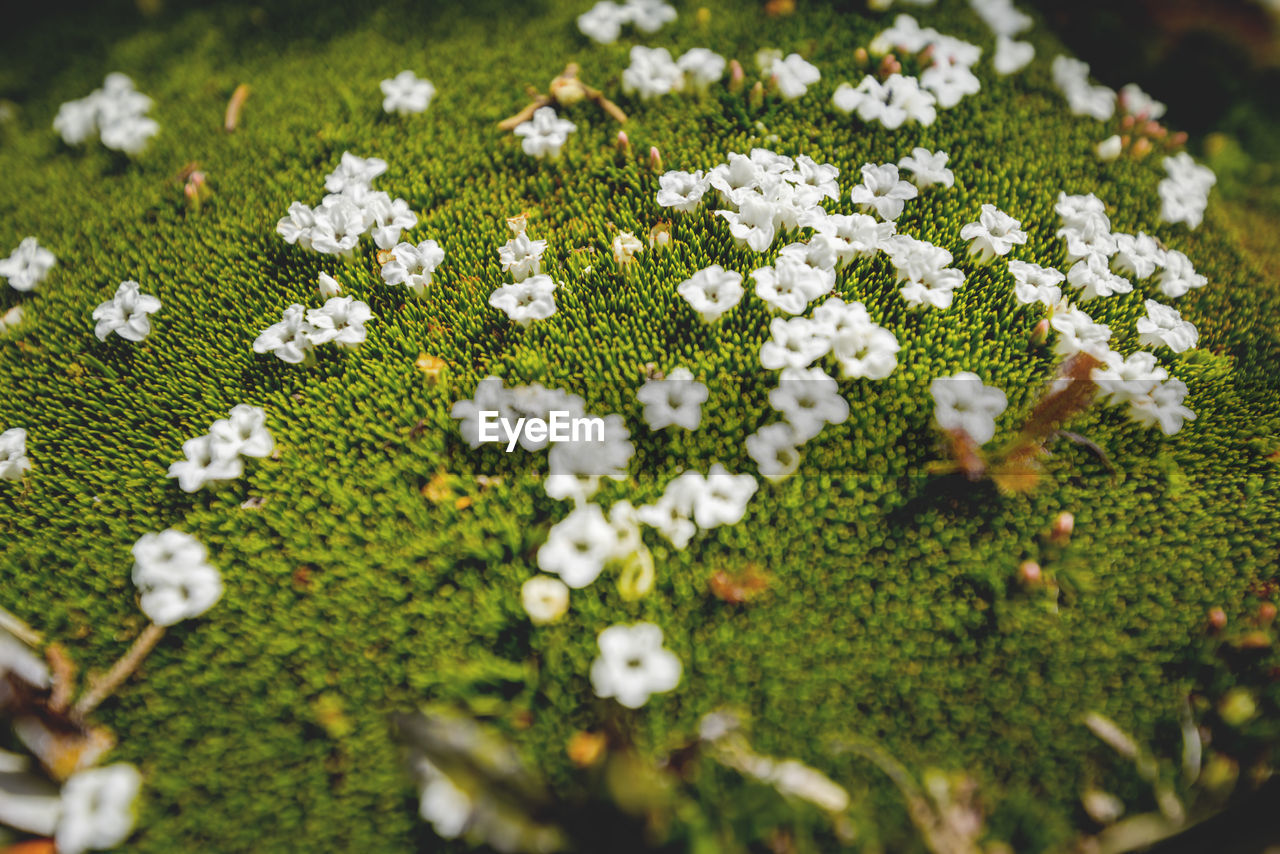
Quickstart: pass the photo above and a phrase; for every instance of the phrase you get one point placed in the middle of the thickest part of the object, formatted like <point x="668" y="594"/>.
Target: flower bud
<point x="655" y="159"/>
<point x="1029" y="573"/>
<point x="1062" y="528"/>
<point x="622" y="142"/>
<point x="1217" y="619"/>
<point x="1040" y="334"/>
<point x="736" y="75"/>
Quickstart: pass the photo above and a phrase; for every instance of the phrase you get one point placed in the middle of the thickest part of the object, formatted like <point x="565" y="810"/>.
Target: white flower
<point x="1012" y="56"/>
<point x="298" y="226"/>
<point x="117" y="112"/>
<point x="739" y="174"/>
<point x="1125" y="379"/>
<point x="773" y="447"/>
<point x="576" y="467"/>
<point x="129" y="133"/>
<point x="1185" y="193"/>
<point x="602" y="23"/>
<point x="98" y="808"/>
<point x="27" y="265"/>
<point x="385" y="218"/>
<point x="341" y="320"/>
<point x="1178" y="275"/>
<point x="489" y="396"/>
<point x="652" y="72"/>
<point x="752" y="225"/>
<point x="1078" y="333"/>
<point x="339" y="225"/>
<point x="414" y="266"/>
<point x="442" y="803"/>
<point x="934" y="288"/>
<point x="171" y="571"/>
<point x="995" y="233"/>
<point x="578" y="546"/>
<point x="243" y="433"/>
<point x="77" y="120"/>
<point x="204" y="461"/>
<point x="789" y="284"/>
<point x="125" y="314"/>
<point x="858" y="235"/>
<point x="681" y="191"/>
<point x="545" y="599"/>
<point x="527" y="300"/>
<point x="1082" y="212"/>
<point x="1137" y="256"/>
<point x="673" y="512"/>
<point x="354" y="171"/>
<point x="625" y="247"/>
<point x="649" y="16"/>
<point x="963" y="402"/>
<point x="633" y="665"/>
<point x="765" y="59"/>
<point x="928" y="168"/>
<point x="949" y="83"/>
<point x="1163" y="407"/>
<point x="863" y="349"/>
<point x="793" y="76"/>
<point x="1139" y="104"/>
<point x="13" y="454"/>
<point x="544" y="134"/>
<point x="881" y="190"/>
<point x="1164" y="325"/>
<point x="794" y="343"/>
<point x="820" y="254"/>
<point x="1071" y="76"/>
<point x="914" y="259"/>
<point x="327" y="286"/>
<point x="892" y="103"/>
<point x="290" y="339"/>
<point x="712" y="291"/>
<point x="1110" y="148"/>
<point x="1033" y="283"/>
<point x="11" y="319"/>
<point x="723" y="498"/>
<point x="1002" y="17"/>
<point x="406" y="93"/>
<point x="809" y="400"/>
<point x="1095" y="279"/>
<point x="677" y="400"/>
<point x="701" y="67"/>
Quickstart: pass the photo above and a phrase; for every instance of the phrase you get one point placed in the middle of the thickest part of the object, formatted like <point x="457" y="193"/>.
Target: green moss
<point x="893" y="610"/>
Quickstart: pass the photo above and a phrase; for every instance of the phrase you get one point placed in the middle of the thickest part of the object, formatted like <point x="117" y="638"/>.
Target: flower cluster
<point x="172" y="572"/>
<point x="653" y="72"/>
<point x="27" y="265"/>
<point x="1184" y="194"/>
<point x="692" y="501"/>
<point x="1138" y="381"/>
<point x="946" y="80"/>
<point x="791" y="75"/>
<point x="543" y="135"/>
<point x="1071" y="76"/>
<point x="117" y="113"/>
<point x="406" y="93"/>
<point x="216" y="456"/>
<point x="1006" y="21"/>
<point x="13" y="454"/>
<point x="351" y="210"/>
<point x="126" y="314"/>
<point x="603" y="22"/>
<point x="339" y="321"/>
<point x="531" y="294"/>
<point x="412" y="266"/>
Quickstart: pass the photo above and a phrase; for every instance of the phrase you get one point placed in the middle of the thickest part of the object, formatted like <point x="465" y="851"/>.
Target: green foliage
<point x="893" y="610"/>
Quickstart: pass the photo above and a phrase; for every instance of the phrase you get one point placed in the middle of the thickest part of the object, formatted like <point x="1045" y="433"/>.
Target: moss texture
<point x="893" y="609"/>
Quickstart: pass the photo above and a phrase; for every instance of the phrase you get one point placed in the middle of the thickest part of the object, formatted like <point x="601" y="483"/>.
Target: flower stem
<point x="105" y="686"/>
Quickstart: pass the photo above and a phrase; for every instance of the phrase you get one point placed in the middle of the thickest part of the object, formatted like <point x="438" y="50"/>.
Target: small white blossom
<point x="442" y="803"/>
<point x="172" y="572"/>
<point x="413" y="266"/>
<point x="116" y="112"/>
<point x="1110" y="148"/>
<point x="545" y="599"/>
<point x="1002" y="17"/>
<point x="1094" y="278"/>
<point x="863" y="349"/>
<point x="544" y="135"/>
<point x="98" y="808"/>
<point x="327" y="286"/>
<point x="809" y="400"/>
<point x="949" y="82"/>
<point x="935" y="288"/>
<point x="1137" y="256"/>
<point x="883" y="191"/>
<point x="625" y="246"/>
<point x="205" y="460"/>
<point x="894" y="102"/>
<point x="27" y="265"/>
<point x="385" y="218"/>
<point x="649" y="16"/>
<point x="521" y="257"/>
<point x="1184" y="195"/>
<point x="406" y="93"/>
<point x="797" y="342"/>
<point x="1012" y="56"/>
<point x="339" y="225"/>
<point x="298" y="225"/>
<point x="354" y="171"/>
<point x="1033" y="283"/>
<point x="712" y="291"/>
<point x="675" y="400"/>
<point x="575" y="468"/>
<point x="242" y="433"/>
<point x="928" y="168"/>
<point x="789" y="285"/>
<point x="723" y="498"/>
<point x="752" y="225"/>
<point x="1078" y="333"/>
<point x="672" y="514"/>
<point x="731" y="178"/>
<point x="633" y="665"/>
<point x="793" y="76"/>
<point x="682" y="191"/>
<point x="1124" y="379"/>
<point x="290" y="339"/>
<point x="1164" y="326"/>
<point x="701" y="67"/>
<point x="341" y="320"/>
<point x="578" y="546"/>
<point x="963" y="402"/>
<point x="1177" y="275"/>
<point x="11" y="319"/>
<point x="995" y="233"/>
<point x="1163" y="407"/>
<point x="125" y="314"/>
<point x="1071" y="77"/>
<point x="818" y="180"/>
<point x="773" y="447"/>
<point x="858" y="235"/>
<point x="652" y="73"/>
<point x="1139" y="104"/>
<point x="527" y="300"/>
<point x="13" y="454"/>
<point x="603" y="22"/>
